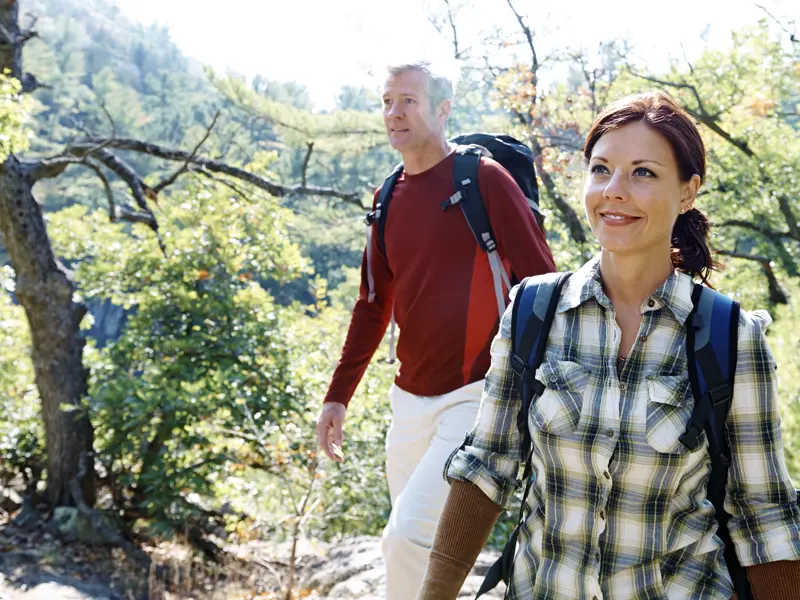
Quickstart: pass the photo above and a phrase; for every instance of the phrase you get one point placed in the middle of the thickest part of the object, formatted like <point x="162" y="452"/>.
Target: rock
<point x="10" y="500"/>
<point x="52" y="587"/>
<point x="353" y="569"/>
<point x="72" y="525"/>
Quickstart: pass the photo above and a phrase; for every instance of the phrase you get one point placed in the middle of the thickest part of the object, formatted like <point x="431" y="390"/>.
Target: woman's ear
<point x="689" y="194"/>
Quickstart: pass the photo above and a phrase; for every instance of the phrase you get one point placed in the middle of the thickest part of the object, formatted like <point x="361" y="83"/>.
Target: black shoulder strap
<point x="712" y="335"/>
<point x="382" y="206"/>
<point x="711" y="350"/>
<point x="468" y="196"/>
<point x="531" y="319"/>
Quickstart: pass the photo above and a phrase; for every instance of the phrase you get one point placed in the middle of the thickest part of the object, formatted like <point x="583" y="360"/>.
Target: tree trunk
<point x="44" y="289"/>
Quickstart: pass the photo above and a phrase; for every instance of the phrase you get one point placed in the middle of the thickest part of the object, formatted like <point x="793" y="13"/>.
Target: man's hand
<point x="329" y="430"/>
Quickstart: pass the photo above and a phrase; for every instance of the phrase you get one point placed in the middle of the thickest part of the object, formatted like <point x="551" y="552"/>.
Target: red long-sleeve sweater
<point x="439" y="282"/>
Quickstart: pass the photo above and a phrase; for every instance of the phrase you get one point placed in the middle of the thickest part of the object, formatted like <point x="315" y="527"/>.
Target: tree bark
<point x="44" y="288"/>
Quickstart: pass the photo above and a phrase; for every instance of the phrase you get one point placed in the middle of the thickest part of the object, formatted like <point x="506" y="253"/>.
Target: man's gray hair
<point x="439" y="86"/>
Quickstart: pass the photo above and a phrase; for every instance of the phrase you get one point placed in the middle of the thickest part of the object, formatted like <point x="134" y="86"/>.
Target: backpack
<point x="711" y="348"/>
<point x="512" y="154"/>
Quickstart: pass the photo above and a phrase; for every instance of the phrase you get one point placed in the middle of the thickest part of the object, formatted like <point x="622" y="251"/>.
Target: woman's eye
<point x="643" y="172"/>
<point x="598" y="169"/>
<point x="410" y="101"/>
<point x="387" y="102"/>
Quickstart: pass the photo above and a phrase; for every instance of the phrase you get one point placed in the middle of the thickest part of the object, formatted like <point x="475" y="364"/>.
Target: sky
<point x="326" y="44"/>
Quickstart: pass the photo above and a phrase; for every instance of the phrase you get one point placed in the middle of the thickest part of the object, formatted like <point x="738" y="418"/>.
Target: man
<point x="437" y="282"/>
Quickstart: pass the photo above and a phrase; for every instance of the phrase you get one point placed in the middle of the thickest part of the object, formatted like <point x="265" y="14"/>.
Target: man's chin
<point x="398" y="145"/>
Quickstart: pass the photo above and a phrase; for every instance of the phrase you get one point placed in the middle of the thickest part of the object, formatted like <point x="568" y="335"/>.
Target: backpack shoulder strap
<point x="531" y="319"/>
<point x="712" y="336"/>
<point x="468" y="196"/>
<point x="711" y="348"/>
<point x="378" y="215"/>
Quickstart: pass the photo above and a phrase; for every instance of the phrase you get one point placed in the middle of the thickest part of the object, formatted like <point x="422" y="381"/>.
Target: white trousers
<point x="423" y="434"/>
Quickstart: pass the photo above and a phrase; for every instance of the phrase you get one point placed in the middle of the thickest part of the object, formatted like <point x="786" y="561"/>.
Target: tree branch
<point x="529" y="37"/>
<point x="773" y="234"/>
<point x="134" y="553"/>
<point x="310" y="149"/>
<point x="172" y="178"/>
<point x="776" y="293"/>
<point x="226" y="169"/>
<point x="792" y="36"/>
<point x="456" y="50"/>
<point x="701" y="114"/>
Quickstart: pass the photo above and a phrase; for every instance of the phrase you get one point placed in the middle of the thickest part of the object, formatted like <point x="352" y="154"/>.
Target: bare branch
<point x="106" y="186"/>
<point x="701" y="114"/>
<point x="110" y="120"/>
<point x="772" y="234"/>
<point x="792" y="36"/>
<point x="172" y="178"/>
<point x="529" y="37"/>
<point x="776" y="292"/>
<point x="139" y="189"/>
<point x="226" y="169"/>
<point x="310" y="149"/>
<point x="456" y="51"/>
<point x="686" y="59"/>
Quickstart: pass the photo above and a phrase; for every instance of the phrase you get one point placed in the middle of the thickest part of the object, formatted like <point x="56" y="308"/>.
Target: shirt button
<point x="610" y="433"/>
<point x="651" y="303"/>
<point x="643" y="339"/>
<point x="595" y="598"/>
<point x="623" y="386"/>
<point x="606" y="474"/>
<point x="603" y="515"/>
<point x="597" y="558"/>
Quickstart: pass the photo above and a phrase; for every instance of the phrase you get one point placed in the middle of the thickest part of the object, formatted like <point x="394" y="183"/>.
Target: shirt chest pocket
<point x="669" y="409"/>
<point x="558" y="410"/>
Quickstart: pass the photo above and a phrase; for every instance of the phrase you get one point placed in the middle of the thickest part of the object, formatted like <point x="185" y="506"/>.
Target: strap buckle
<point x="690" y="437"/>
<point x="719" y="394"/>
<point x="373" y="216"/>
<point x="451" y="201"/>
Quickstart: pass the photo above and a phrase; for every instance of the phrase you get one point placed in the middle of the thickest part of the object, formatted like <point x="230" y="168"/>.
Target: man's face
<point x="411" y="121"/>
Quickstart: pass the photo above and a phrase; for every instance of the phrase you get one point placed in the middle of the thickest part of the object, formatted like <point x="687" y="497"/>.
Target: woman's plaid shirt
<point x="618" y="506"/>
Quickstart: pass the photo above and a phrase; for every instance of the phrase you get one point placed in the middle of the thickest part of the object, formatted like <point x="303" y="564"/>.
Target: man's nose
<point x="395" y="110"/>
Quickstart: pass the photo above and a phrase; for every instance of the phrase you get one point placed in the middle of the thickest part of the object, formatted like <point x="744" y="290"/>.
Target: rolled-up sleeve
<point x="490" y="454"/>
<point x="761" y="498"/>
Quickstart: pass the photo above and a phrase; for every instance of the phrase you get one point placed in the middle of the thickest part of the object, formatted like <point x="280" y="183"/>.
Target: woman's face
<point x="633" y="192"/>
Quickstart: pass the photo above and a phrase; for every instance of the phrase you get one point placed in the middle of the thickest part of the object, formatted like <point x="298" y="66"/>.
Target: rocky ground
<point x="37" y="565"/>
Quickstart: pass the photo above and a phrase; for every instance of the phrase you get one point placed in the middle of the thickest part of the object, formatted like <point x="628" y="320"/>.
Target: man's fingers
<point x="323" y="431"/>
<point x="329" y="432"/>
<point x="336" y="434"/>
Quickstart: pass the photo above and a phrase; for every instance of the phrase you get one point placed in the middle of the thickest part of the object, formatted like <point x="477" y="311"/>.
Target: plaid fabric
<point x="618" y="506"/>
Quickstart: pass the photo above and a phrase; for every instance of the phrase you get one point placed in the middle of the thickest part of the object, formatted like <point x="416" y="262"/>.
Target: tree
<point x="45" y="288"/>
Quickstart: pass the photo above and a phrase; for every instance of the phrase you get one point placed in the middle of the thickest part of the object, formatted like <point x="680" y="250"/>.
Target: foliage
<point x="13" y="117"/>
<point x="21" y="434"/>
<point x="201" y="349"/>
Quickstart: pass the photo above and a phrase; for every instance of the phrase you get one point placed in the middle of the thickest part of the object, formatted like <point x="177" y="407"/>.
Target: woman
<point x="617" y="508"/>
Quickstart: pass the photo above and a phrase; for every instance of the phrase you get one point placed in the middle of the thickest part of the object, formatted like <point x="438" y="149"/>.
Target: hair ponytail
<point x="691" y="252"/>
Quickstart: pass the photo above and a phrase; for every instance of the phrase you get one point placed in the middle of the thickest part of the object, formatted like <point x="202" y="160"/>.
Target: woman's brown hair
<point x="691" y="252"/>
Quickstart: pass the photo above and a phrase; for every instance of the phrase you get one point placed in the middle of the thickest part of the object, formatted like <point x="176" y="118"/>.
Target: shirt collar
<point x="586" y="283"/>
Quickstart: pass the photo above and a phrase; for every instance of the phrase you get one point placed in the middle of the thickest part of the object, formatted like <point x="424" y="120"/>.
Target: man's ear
<point x="443" y="111"/>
